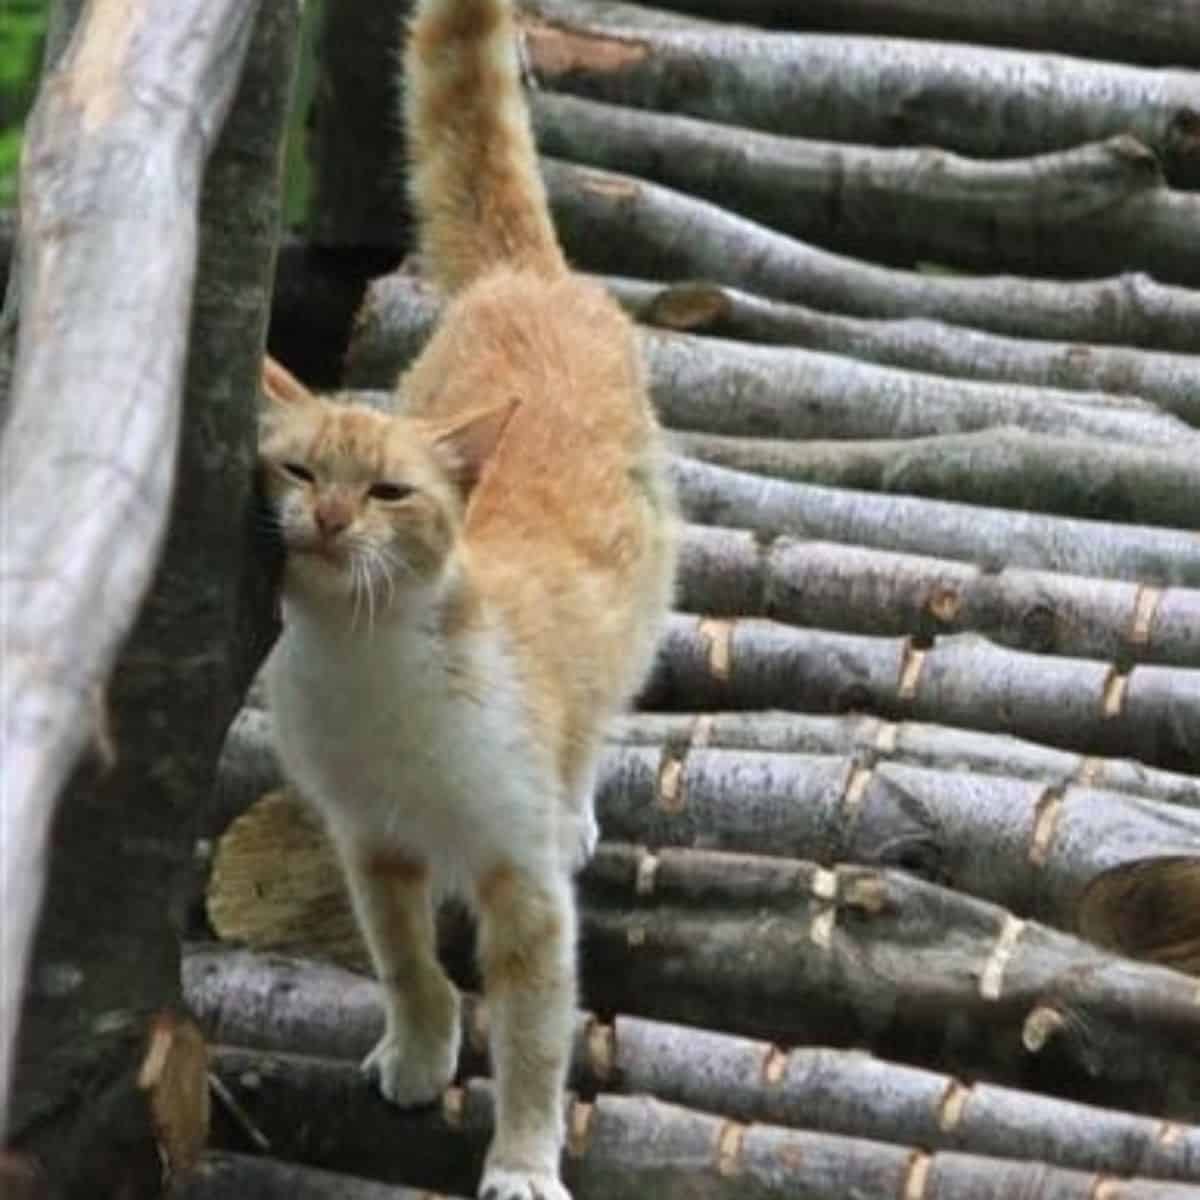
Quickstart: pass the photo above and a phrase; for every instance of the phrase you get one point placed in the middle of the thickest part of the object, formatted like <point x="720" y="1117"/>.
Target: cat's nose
<point x="331" y="518"/>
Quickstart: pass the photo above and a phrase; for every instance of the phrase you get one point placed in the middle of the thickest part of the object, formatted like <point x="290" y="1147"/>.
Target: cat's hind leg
<point x="527" y="955"/>
<point x="418" y="1054"/>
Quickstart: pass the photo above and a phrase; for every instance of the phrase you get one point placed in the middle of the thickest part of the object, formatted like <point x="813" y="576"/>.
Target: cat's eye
<point x="299" y="471"/>
<point x="389" y="492"/>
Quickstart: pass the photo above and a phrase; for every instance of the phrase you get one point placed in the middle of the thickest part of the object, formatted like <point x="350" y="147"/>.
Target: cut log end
<point x="1148" y="909"/>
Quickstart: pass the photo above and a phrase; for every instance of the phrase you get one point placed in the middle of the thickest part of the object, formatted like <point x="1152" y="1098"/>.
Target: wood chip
<point x="719" y="635"/>
<point x="952" y="1105"/>
<point x="579" y="1128"/>
<point x="916" y="1178"/>
<point x="1145" y="610"/>
<point x="729" y="1148"/>
<point x="910" y="671"/>
<point x="1112" y="702"/>
<point x="1046" y="815"/>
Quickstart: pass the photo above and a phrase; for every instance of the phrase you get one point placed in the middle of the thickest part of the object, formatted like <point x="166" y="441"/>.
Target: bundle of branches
<point x="788" y="950"/>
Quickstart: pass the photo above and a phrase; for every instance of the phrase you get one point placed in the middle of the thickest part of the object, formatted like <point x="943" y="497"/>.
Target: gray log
<point x="1002" y="466"/>
<point x="789" y="951"/>
<point x="730" y="573"/>
<point x="224" y="1176"/>
<point x="111" y="179"/>
<point x="273" y="1003"/>
<point x="1164" y="33"/>
<point x="617" y="225"/>
<point x="728" y="387"/>
<point x="1167" y="380"/>
<point x="876" y="91"/>
<point x="1151" y="713"/>
<point x="989" y="537"/>
<point x="625" y="1148"/>
<point x="871" y="740"/>
<point x="1040" y="851"/>
<point x="1091" y="210"/>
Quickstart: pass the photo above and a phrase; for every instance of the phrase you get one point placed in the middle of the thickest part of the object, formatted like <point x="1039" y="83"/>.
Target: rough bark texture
<point x="107" y="951"/>
<point x="1164" y="32"/>
<point x="784" y="949"/>
<point x="872" y="740"/>
<point x="729" y="572"/>
<point x="1149" y="712"/>
<point x="989" y="537"/>
<point x="1006" y="467"/>
<point x="627" y="1148"/>
<point x="921" y="345"/>
<point x="616" y="224"/>
<point x="1054" y="851"/>
<point x="877" y="91"/>
<point x="731" y="388"/>
<point x="1091" y="210"/>
<point x="110" y="186"/>
<point x="221" y="1176"/>
<point x="274" y="1003"/>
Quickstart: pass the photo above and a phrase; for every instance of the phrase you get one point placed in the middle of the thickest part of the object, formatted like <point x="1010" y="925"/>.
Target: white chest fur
<point x="404" y="742"/>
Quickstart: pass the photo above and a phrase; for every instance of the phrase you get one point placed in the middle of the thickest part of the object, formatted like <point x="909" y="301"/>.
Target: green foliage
<point x="22" y="32"/>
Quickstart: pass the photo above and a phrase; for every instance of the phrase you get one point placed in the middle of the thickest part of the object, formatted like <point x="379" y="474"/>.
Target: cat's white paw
<point x="411" y="1071"/>
<point x="499" y="1183"/>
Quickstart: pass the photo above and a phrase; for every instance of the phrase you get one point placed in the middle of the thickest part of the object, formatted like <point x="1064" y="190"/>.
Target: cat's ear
<point x="280" y="386"/>
<point x="465" y="446"/>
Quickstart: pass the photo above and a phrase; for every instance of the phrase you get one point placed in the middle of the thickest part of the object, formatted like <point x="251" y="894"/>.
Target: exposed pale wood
<point x="1164" y="32"/>
<point x="278" y="1004"/>
<point x="922" y="345"/>
<point x="731" y="572"/>
<point x="992" y="538"/>
<point x="785" y="949"/>
<point x="1003" y="466"/>
<point x="731" y="388"/>
<point x="109" y="191"/>
<point x="875" y="90"/>
<point x="618" y="225"/>
<point x="1090" y="210"/>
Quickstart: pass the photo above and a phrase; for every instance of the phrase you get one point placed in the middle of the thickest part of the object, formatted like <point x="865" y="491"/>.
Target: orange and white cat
<point x="475" y="582"/>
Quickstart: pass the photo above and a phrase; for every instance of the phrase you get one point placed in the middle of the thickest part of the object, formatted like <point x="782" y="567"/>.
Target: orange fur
<point x="475" y="583"/>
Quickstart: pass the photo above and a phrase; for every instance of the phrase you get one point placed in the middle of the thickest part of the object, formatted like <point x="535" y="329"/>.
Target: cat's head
<point x="369" y="504"/>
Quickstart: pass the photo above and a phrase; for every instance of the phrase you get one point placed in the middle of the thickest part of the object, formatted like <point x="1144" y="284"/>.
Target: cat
<point x="475" y="582"/>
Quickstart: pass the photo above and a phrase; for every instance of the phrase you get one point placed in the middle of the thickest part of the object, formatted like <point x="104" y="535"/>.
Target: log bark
<point x="876" y="91"/>
<point x="278" y="1004"/>
<point x="914" y="743"/>
<point x="1164" y="33"/>
<point x="1092" y="210"/>
<point x="221" y="1176"/>
<point x="989" y="537"/>
<point x="1149" y="712"/>
<point x="617" y="225"/>
<point x="615" y="12"/>
<point x="792" y="952"/>
<point x="731" y="573"/>
<point x="626" y="1148"/>
<point x="109" y="190"/>
<point x="731" y="388"/>
<point x="107" y="953"/>
<point x="1001" y="466"/>
<point x="1042" y="852"/>
<point x="1060" y="852"/>
<point x="930" y="346"/>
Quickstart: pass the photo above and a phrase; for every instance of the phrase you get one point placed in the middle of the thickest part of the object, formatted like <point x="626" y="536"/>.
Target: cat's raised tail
<point x="479" y="199"/>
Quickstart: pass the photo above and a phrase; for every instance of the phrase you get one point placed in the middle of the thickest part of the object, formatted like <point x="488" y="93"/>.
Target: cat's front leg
<point x="527" y="955"/>
<point x="418" y="1054"/>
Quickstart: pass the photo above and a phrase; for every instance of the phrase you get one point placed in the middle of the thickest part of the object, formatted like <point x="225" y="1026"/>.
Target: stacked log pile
<point x="899" y="886"/>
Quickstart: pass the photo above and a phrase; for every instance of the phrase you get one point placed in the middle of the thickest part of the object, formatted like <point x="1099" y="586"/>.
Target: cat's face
<point x="369" y="504"/>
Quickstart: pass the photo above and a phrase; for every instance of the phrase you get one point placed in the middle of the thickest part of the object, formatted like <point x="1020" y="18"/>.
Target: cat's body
<point x="472" y="589"/>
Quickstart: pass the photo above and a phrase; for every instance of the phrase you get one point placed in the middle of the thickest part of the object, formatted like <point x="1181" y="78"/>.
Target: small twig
<point x="238" y="1113"/>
